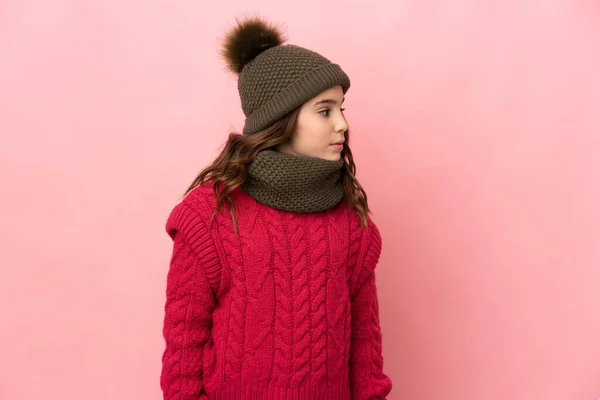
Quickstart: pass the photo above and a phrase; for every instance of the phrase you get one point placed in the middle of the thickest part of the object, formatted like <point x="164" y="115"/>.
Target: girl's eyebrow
<point x="328" y="101"/>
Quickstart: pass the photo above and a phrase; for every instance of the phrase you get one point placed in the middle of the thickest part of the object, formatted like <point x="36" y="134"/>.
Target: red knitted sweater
<point x="285" y="310"/>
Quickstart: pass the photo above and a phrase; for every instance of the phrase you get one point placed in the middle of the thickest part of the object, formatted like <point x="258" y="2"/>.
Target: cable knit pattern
<point x="259" y="265"/>
<point x="300" y="299"/>
<point x="319" y="260"/>
<point x="339" y="306"/>
<point x="282" y="354"/>
<point x="285" y="310"/>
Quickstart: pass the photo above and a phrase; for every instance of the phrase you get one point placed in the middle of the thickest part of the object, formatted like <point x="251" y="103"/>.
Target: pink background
<point x="477" y="135"/>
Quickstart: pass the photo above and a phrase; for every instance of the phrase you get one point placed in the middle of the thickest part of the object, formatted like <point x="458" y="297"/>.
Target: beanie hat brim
<point x="295" y="95"/>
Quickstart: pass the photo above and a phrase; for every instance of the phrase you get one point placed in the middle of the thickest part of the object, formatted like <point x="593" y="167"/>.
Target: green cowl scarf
<point x="294" y="183"/>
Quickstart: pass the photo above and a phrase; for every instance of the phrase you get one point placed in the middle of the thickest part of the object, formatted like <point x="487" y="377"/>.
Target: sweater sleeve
<point x="367" y="380"/>
<point x="189" y="304"/>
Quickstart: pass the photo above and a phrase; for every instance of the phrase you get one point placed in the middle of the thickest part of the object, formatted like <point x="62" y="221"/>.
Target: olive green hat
<point x="274" y="79"/>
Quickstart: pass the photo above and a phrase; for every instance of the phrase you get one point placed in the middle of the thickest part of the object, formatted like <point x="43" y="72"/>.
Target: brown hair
<point x="230" y="169"/>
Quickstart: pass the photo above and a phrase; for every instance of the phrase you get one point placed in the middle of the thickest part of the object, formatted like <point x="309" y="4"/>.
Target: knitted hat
<point x="274" y="79"/>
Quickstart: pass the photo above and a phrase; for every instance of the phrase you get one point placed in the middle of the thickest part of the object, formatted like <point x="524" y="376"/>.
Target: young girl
<point x="271" y="289"/>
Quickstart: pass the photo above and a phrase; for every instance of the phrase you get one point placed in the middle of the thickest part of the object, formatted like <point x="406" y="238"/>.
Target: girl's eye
<point x="326" y="112"/>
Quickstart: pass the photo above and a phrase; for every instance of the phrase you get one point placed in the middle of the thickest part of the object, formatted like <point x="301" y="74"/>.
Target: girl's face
<point x="321" y="127"/>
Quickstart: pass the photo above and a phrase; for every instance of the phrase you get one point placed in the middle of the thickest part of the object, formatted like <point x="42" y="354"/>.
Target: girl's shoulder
<point x="193" y="210"/>
<point x="189" y="221"/>
<point x="201" y="193"/>
<point x="354" y="220"/>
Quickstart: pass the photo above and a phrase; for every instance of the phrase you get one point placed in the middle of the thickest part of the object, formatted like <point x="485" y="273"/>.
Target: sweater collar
<point x="294" y="183"/>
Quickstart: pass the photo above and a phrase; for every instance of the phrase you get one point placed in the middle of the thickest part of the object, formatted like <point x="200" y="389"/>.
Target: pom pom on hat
<point x="247" y="40"/>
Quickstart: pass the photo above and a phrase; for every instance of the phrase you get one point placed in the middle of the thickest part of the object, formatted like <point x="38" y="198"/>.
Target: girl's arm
<point x="367" y="380"/>
<point x="186" y="325"/>
<point x="192" y="282"/>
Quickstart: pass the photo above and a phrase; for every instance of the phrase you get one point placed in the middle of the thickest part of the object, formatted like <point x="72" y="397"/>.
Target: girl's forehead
<point x="334" y="93"/>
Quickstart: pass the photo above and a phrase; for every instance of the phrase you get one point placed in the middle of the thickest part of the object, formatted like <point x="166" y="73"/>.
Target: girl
<point x="271" y="288"/>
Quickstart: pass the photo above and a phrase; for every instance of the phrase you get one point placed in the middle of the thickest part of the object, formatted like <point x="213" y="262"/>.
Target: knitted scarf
<point x="294" y="183"/>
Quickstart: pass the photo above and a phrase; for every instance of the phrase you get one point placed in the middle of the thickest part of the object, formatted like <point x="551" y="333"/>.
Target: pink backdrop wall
<point x="476" y="131"/>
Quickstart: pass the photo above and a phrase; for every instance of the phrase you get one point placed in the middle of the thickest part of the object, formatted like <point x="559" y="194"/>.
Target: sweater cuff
<point x="185" y="220"/>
